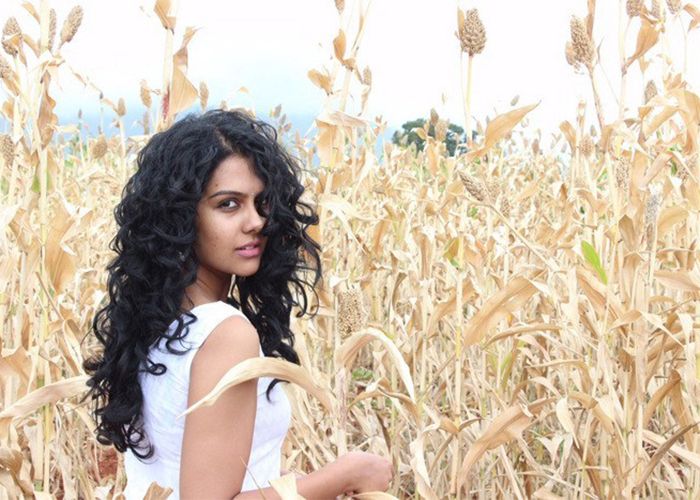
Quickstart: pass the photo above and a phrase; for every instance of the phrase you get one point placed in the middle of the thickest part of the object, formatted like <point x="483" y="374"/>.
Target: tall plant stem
<point x="467" y="103"/>
<point x="623" y="71"/>
<point x="596" y="100"/>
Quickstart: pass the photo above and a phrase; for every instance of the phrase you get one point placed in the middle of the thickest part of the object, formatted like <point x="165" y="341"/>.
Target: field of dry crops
<point x="517" y="321"/>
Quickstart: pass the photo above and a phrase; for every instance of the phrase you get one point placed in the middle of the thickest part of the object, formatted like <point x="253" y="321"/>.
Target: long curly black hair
<point x="155" y="260"/>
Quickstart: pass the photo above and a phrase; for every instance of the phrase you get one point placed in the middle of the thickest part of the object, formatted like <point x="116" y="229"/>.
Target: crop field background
<point x="519" y="319"/>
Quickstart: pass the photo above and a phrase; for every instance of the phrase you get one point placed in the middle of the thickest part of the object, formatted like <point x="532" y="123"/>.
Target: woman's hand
<point x="366" y="472"/>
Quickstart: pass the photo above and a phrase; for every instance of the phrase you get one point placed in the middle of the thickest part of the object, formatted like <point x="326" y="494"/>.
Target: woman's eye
<point x="225" y="204"/>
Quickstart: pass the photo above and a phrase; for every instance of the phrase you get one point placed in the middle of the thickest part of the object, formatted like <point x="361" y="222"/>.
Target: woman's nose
<point x="254" y="221"/>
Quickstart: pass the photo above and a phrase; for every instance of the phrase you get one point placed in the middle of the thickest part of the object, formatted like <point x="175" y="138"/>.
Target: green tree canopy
<point x="407" y="135"/>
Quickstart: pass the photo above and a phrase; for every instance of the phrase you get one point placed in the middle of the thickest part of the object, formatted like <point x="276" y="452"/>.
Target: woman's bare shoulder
<point x="230" y="342"/>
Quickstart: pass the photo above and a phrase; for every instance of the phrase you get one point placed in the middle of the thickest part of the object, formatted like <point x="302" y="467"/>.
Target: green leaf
<point x="592" y="258"/>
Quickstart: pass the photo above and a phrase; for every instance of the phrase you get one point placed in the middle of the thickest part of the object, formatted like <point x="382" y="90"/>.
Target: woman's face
<point x="228" y="225"/>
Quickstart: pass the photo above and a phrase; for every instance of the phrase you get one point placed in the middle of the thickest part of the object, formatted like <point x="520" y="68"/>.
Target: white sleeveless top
<point x="165" y="397"/>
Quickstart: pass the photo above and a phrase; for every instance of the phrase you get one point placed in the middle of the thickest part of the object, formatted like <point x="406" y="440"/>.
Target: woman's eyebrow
<point x="227" y="192"/>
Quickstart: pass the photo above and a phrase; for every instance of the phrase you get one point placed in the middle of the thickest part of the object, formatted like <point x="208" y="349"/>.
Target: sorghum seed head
<point x="634" y="7"/>
<point x="5" y="70"/>
<point x="587" y="146"/>
<point x="472" y="35"/>
<point x="52" y="28"/>
<point x="121" y="107"/>
<point x="340" y="5"/>
<point x="582" y="43"/>
<point x="674" y="6"/>
<point x="493" y="188"/>
<point x="505" y="206"/>
<point x="536" y="147"/>
<point x="473" y="186"/>
<point x="7" y="149"/>
<point x="434" y="117"/>
<point x="367" y="76"/>
<point x="651" y="210"/>
<point x="145" y="94"/>
<point x="203" y="95"/>
<point x="99" y="147"/>
<point x="622" y="174"/>
<point x="682" y="172"/>
<point x="650" y="91"/>
<point x="441" y="130"/>
<point x="71" y="24"/>
<point x="656" y="9"/>
<point x="351" y="315"/>
<point x="570" y="56"/>
<point x="10" y="30"/>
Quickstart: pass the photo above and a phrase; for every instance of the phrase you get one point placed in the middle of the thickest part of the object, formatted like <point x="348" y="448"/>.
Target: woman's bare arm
<point x="324" y="484"/>
<point x="217" y="438"/>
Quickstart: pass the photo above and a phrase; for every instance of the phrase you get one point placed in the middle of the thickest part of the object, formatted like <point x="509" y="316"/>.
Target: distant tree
<point x="407" y="135"/>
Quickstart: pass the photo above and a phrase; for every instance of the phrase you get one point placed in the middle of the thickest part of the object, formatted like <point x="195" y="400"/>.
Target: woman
<point x="211" y="243"/>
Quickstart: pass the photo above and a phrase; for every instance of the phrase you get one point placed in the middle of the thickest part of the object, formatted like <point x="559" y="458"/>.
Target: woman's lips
<point x="249" y="251"/>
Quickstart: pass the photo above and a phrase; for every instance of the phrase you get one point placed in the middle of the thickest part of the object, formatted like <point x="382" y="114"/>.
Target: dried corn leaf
<point x="504" y="302"/>
<point x="339" y="46"/>
<point x="500" y="126"/>
<point x="679" y="452"/>
<point x="321" y="80"/>
<point x="182" y="92"/>
<point x="163" y="9"/>
<point x="688" y="281"/>
<point x="45" y="395"/>
<point x="419" y="467"/>
<point x="286" y="487"/>
<point x="264" y="367"/>
<point x="157" y="492"/>
<point x="347" y="352"/>
<point x="646" y="39"/>
<point x="663" y="449"/>
<point x="502" y="429"/>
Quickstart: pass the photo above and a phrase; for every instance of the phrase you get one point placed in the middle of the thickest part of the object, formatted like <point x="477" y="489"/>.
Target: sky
<point x="268" y="46"/>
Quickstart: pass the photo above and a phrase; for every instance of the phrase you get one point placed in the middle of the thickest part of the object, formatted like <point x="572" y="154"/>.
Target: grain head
<point x="651" y="212"/>
<point x="11" y="30"/>
<point x="145" y="94"/>
<point x="587" y="146"/>
<point x="674" y="6"/>
<point x="650" y="91"/>
<point x="581" y="42"/>
<point x="441" y="130"/>
<point x="656" y="9"/>
<point x="367" y="76"/>
<point x="493" y="188"/>
<point x="99" y="147"/>
<point x="474" y="187"/>
<point x="622" y="174"/>
<point x="570" y="55"/>
<point x="71" y="24"/>
<point x="7" y="149"/>
<point x="203" y="95"/>
<point x="351" y="315"/>
<point x="121" y="107"/>
<point x="634" y="7"/>
<point x="472" y="36"/>
<point x="505" y="206"/>
<point x="52" y="28"/>
<point x="340" y="5"/>
<point x="5" y="69"/>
